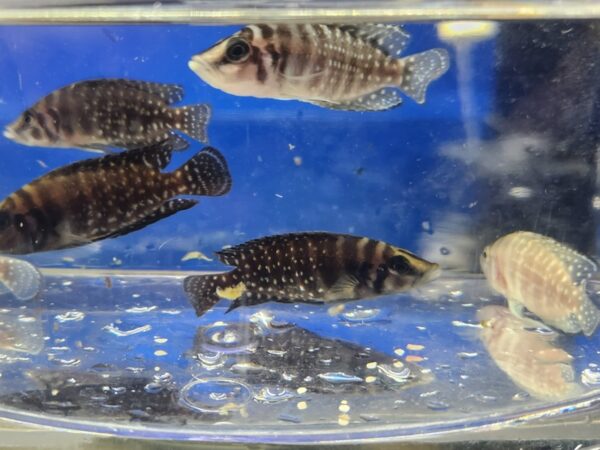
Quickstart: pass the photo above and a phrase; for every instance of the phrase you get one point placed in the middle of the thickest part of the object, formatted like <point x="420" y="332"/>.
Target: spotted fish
<point x="546" y="277"/>
<point x="99" y="114"/>
<point x="106" y="197"/>
<point x="309" y="267"/>
<point x="528" y="356"/>
<point x="347" y="67"/>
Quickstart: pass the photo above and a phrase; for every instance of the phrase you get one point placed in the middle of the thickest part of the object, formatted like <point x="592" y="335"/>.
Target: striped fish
<point x="530" y="358"/>
<point x="308" y="267"/>
<point x="105" y="197"/>
<point x="347" y="67"/>
<point x="96" y="115"/>
<point x="546" y="277"/>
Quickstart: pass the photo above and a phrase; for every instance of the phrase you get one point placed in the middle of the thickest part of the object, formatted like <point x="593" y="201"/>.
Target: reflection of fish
<point x="98" y="114"/>
<point x="21" y="278"/>
<point x="350" y="67"/>
<point x="311" y="267"/>
<point x="105" y="197"/>
<point x="538" y="273"/>
<point x="528" y="357"/>
<point x="286" y="356"/>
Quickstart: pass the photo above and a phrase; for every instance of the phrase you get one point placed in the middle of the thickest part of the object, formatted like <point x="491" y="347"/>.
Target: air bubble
<point x="219" y="395"/>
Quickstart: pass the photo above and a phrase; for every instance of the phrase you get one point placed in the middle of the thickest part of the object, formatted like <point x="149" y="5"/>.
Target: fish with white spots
<point x="346" y="67"/>
<point x="545" y="276"/>
<point x="97" y="115"/>
<point x="106" y="197"/>
<point x="312" y="267"/>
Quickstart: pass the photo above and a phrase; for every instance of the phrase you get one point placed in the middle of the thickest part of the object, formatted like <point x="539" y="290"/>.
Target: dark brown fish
<point x="348" y="67"/>
<point x="106" y="197"/>
<point x="309" y="267"/>
<point x="98" y="114"/>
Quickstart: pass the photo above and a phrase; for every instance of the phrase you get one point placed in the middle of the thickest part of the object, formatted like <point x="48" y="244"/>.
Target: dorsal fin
<point x="390" y="39"/>
<point x="580" y="267"/>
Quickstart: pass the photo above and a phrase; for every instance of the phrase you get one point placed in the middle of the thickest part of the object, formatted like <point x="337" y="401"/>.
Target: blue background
<point x="375" y="174"/>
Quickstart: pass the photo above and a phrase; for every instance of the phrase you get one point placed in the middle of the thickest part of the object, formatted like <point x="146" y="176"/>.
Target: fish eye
<point x="28" y="117"/>
<point x="399" y="263"/>
<point x="237" y="51"/>
<point x="484" y="254"/>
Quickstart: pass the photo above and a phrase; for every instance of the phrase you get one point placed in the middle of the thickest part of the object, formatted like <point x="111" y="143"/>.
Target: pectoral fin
<point x="344" y="288"/>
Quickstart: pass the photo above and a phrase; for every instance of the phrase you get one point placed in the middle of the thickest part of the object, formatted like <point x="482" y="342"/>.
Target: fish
<point x="531" y="359"/>
<point x="97" y="115"/>
<point x="313" y="267"/>
<point x="544" y="276"/>
<point x="106" y="197"/>
<point x="336" y="66"/>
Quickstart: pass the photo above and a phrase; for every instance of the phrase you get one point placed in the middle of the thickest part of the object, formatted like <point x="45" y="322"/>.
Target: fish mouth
<point x="197" y="64"/>
<point x="9" y="134"/>
<point x="432" y="274"/>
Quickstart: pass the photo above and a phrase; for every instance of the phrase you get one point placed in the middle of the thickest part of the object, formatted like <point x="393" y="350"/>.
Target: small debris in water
<point x="68" y="259"/>
<point x="113" y="329"/>
<point x="398" y="351"/>
<point x="467" y="355"/>
<point x="108" y="282"/>
<point x="590" y="377"/>
<point x="278" y="195"/>
<point x="339" y="377"/>
<point x="336" y="309"/>
<point x="195" y="255"/>
<point x="160" y="353"/>
<point x="343" y="420"/>
<point x="370" y="379"/>
<point x="301" y="390"/>
<point x="414" y="358"/>
<point x="140" y="309"/>
<point x="415" y="347"/>
<point x="344" y="406"/>
<point x="460" y="323"/>
<point x="160" y="340"/>
<point x="298" y="160"/>
<point x="70" y="316"/>
<point x="372" y="365"/>
<point x="302" y="405"/>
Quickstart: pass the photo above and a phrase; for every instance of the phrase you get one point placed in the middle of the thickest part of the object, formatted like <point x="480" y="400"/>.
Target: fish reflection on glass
<point x="348" y="67"/>
<point x="309" y="267"/>
<point x="546" y="277"/>
<point x="20" y="278"/>
<point x="106" y="197"/>
<point x="99" y="114"/>
<point x="530" y="358"/>
<point x="284" y="356"/>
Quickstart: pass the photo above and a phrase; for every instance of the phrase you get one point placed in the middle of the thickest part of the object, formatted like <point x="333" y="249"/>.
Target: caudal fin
<point x="420" y="70"/>
<point x="205" y="174"/>
<point x="192" y="120"/>
<point x="202" y="291"/>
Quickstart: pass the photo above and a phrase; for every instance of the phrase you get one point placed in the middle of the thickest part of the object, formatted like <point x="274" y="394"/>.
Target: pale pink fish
<point x="546" y="277"/>
<point x="530" y="358"/>
<point x="348" y="67"/>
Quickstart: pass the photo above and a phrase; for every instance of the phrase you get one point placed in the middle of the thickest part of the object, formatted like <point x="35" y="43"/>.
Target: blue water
<point x="367" y="174"/>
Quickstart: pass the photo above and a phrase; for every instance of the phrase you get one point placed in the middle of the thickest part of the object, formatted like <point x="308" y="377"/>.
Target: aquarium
<point x="324" y="222"/>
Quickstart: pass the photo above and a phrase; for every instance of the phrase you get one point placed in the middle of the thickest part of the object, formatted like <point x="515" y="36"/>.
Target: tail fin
<point x="205" y="174"/>
<point x="20" y="277"/>
<point x="192" y="120"/>
<point x="420" y="70"/>
<point x="202" y="291"/>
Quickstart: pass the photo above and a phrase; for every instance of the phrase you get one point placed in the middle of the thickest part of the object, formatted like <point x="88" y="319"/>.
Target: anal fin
<point x="380" y="100"/>
<point x="167" y="209"/>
